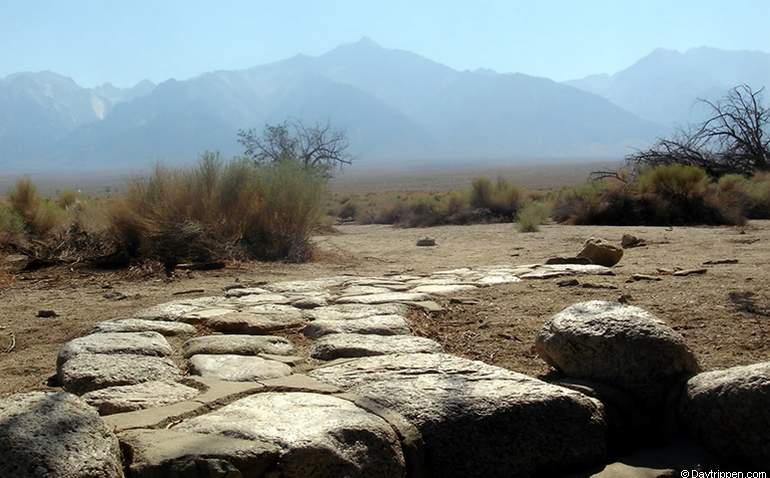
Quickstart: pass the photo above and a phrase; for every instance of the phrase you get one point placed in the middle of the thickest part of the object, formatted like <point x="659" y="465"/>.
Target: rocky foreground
<point x="209" y="387"/>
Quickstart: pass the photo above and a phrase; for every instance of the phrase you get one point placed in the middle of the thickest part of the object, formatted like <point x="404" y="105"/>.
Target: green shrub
<point x="289" y="210"/>
<point x="531" y="216"/>
<point x="11" y="228"/>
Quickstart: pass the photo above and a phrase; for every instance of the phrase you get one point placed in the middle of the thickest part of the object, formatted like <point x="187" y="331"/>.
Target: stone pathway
<point x="366" y="398"/>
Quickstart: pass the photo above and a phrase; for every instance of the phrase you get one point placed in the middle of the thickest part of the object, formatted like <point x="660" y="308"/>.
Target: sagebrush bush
<point x="11" y="228"/>
<point x="531" y="216"/>
<point x="664" y="195"/>
<point x="291" y="197"/>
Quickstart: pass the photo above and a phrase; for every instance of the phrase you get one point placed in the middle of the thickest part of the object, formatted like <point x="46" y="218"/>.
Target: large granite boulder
<point x="728" y="411"/>
<point x="620" y="345"/>
<point x="86" y="372"/>
<point x="333" y="346"/>
<point x="476" y="419"/>
<point x="601" y="252"/>
<point x="55" y="435"/>
<point x="318" y="435"/>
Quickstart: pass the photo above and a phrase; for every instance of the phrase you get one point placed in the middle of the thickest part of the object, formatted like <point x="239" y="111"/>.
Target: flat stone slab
<point x="236" y="368"/>
<point x="44" y="434"/>
<point x="201" y="315"/>
<point x="354" y="311"/>
<point x="163" y="327"/>
<point x="156" y="453"/>
<point x="448" y="289"/>
<point x="384" y="298"/>
<point x="256" y="299"/>
<point x="86" y="372"/>
<point x="494" y="279"/>
<point x="127" y="398"/>
<point x="238" y="344"/>
<point x="318" y="435"/>
<point x="136" y="343"/>
<point x="376" y="324"/>
<point x="517" y="425"/>
<point x="313" y="285"/>
<point x="241" y="291"/>
<point x="251" y="323"/>
<point x="335" y="346"/>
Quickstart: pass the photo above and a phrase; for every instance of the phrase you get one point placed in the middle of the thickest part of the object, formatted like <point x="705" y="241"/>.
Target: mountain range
<point x="395" y="106"/>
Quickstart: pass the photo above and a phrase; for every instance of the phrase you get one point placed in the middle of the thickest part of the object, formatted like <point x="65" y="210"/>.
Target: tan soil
<point x="500" y="329"/>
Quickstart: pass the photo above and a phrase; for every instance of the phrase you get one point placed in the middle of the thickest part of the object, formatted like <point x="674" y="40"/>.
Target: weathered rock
<point x="309" y="302"/>
<point x="241" y="291"/>
<point x="201" y="315"/>
<point x="163" y="327"/>
<point x="315" y="285"/>
<point x="443" y="289"/>
<point x="236" y="368"/>
<point x="426" y="242"/>
<point x="601" y="252"/>
<point x="160" y="453"/>
<point x="629" y="240"/>
<point x="494" y="279"/>
<point x="363" y="290"/>
<point x="643" y="277"/>
<point x="616" y="344"/>
<point x="250" y="323"/>
<point x="546" y="274"/>
<point x="128" y="398"/>
<point x="383" y="298"/>
<point x="257" y="299"/>
<point x="568" y="260"/>
<point x="353" y="311"/>
<point x="689" y="272"/>
<point x="376" y="324"/>
<point x="728" y="411"/>
<point x="86" y="372"/>
<point x="335" y="346"/>
<point x="319" y="435"/>
<point x="135" y="343"/>
<point x="476" y="419"/>
<point x="237" y="344"/>
<point x="55" y="435"/>
<point x="168" y="311"/>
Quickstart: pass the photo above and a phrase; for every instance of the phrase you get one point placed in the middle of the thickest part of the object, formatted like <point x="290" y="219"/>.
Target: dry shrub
<point x="40" y="216"/>
<point x="11" y="228"/>
<point x="501" y="197"/>
<point x="290" y="208"/>
<point x="219" y="210"/>
<point x="663" y="195"/>
<point x="531" y="216"/>
<point x="67" y="198"/>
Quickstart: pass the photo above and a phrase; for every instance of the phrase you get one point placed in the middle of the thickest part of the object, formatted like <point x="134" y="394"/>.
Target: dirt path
<point x="723" y="313"/>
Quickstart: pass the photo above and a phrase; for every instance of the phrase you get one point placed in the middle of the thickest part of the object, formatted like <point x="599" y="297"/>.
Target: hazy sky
<point x="125" y="41"/>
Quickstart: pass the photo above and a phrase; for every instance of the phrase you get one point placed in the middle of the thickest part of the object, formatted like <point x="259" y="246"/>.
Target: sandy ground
<point x="724" y="314"/>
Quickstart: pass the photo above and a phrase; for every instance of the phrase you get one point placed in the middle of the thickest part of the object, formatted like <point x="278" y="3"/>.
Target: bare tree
<point x="733" y="140"/>
<point x="319" y="146"/>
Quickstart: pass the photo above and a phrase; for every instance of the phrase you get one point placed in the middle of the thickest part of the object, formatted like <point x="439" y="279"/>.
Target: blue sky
<point x="123" y="42"/>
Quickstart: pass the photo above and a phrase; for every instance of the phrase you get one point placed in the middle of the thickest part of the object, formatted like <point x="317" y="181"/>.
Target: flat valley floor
<point x="724" y="313"/>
